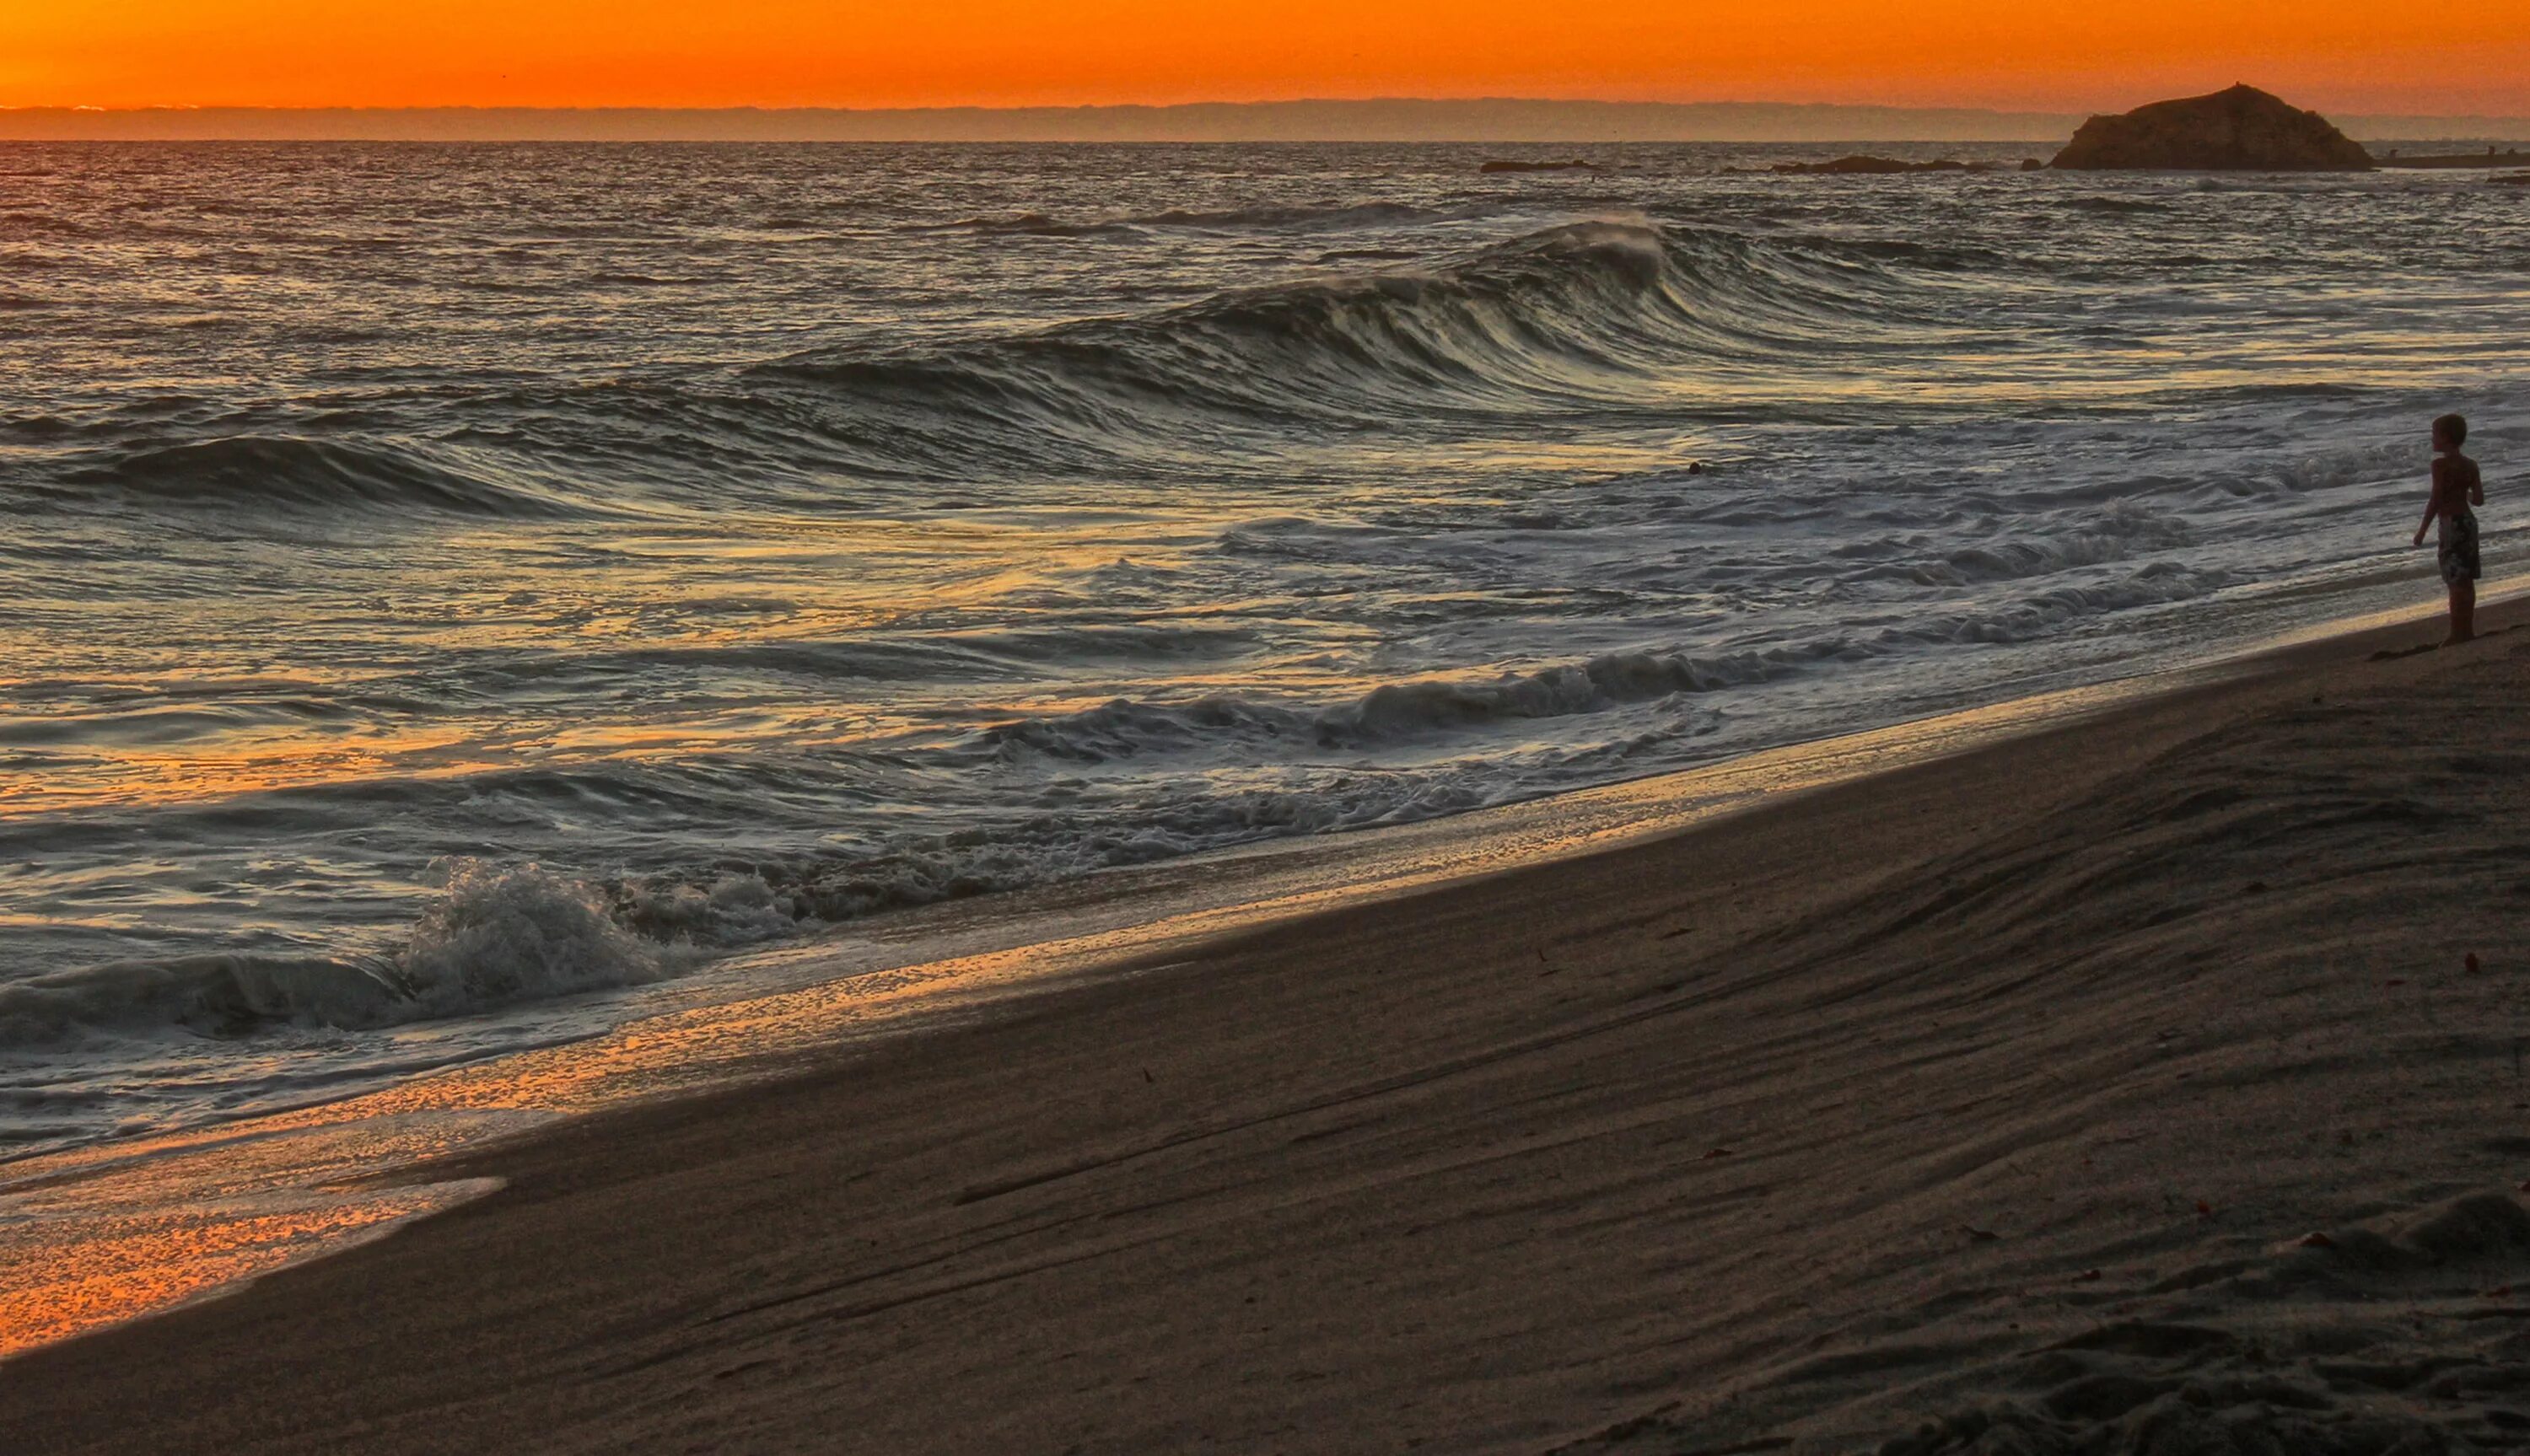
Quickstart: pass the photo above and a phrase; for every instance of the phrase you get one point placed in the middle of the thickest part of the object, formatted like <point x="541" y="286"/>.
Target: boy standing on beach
<point x="2457" y="487"/>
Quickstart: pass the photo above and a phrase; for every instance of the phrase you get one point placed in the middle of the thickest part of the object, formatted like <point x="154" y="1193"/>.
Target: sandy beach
<point x="1988" y="1105"/>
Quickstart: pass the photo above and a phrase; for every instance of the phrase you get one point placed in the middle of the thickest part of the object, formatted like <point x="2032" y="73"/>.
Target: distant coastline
<point x="1397" y="120"/>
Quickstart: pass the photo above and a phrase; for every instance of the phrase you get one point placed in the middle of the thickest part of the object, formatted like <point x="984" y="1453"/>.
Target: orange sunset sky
<point x="2472" y="56"/>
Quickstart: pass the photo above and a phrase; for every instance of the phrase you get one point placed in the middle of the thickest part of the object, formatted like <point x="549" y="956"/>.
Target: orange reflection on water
<point x="102" y="1268"/>
<point x="211" y="771"/>
<point x="99" y="1235"/>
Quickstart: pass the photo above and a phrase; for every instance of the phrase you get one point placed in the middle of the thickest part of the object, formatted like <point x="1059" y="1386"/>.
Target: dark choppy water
<point x="759" y="538"/>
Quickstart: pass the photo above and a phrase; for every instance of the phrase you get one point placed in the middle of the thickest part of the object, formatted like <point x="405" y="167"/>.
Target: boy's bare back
<point x="2458" y="484"/>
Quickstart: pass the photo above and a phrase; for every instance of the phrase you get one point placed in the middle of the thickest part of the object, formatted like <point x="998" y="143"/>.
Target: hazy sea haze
<point x="446" y="584"/>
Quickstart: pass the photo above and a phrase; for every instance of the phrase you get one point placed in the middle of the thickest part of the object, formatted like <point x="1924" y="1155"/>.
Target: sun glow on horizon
<point x="2474" y="58"/>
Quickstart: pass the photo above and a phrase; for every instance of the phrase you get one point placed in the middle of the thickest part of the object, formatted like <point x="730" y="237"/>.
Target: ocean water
<point x="448" y="588"/>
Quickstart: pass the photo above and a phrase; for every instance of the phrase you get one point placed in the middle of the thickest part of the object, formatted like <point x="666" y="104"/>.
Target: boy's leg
<point x="2463" y="610"/>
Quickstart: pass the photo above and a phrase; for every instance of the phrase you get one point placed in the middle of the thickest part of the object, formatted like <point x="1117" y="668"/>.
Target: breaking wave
<point x="493" y="938"/>
<point x="1582" y="316"/>
<point x="502" y="936"/>
<point x="1602" y="316"/>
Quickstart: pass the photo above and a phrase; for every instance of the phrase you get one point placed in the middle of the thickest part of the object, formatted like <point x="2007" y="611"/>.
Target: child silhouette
<point x="2457" y="485"/>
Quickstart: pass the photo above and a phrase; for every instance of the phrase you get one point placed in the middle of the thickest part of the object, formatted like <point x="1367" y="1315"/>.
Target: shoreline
<point x="1027" y="1053"/>
<point x="1297" y="872"/>
<point x="229" y="1199"/>
<point x="211" y="1189"/>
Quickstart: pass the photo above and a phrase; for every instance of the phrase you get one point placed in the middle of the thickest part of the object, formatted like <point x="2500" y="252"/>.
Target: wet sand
<point x="2000" y="1091"/>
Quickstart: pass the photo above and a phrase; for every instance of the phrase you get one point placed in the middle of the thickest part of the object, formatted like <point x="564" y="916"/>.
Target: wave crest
<point x="1582" y="315"/>
<point x="263" y="471"/>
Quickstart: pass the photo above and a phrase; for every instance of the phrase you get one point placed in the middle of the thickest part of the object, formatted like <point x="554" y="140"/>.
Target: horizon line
<point x="989" y="108"/>
<point x="1432" y="119"/>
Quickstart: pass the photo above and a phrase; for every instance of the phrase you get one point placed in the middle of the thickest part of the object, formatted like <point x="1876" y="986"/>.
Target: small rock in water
<point x="1864" y="166"/>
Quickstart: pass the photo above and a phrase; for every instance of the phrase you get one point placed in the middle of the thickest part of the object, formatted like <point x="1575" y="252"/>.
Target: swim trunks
<point x="2455" y="547"/>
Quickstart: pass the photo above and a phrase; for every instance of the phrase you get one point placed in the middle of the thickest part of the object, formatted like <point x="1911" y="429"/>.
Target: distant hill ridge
<point x="1394" y="120"/>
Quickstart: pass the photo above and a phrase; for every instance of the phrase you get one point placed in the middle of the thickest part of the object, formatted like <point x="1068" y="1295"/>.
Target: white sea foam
<point x="498" y="936"/>
<point x="493" y="938"/>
